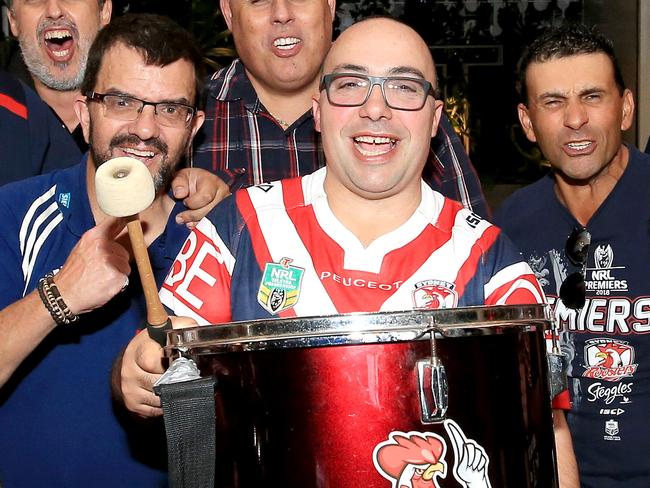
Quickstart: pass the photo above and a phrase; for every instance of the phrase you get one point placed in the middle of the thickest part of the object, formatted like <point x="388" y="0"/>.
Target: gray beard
<point x="39" y="70"/>
<point x="161" y="179"/>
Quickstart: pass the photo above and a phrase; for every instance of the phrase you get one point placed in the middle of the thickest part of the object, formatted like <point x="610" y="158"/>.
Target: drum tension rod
<point x="557" y="363"/>
<point x="432" y="382"/>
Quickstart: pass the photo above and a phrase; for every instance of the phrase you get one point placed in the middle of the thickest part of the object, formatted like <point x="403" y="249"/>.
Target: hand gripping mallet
<point x="124" y="188"/>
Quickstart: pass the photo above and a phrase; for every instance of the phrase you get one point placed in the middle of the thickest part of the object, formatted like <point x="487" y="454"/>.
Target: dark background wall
<point x="476" y="45"/>
<point x="617" y="19"/>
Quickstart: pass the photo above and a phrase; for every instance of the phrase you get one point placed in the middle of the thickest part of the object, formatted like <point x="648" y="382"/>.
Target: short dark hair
<point x="561" y="42"/>
<point x="160" y="40"/>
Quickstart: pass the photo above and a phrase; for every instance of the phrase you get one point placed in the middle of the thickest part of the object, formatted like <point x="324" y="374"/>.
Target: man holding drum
<point x="67" y="305"/>
<point x="362" y="234"/>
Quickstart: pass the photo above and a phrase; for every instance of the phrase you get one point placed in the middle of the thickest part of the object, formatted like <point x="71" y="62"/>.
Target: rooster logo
<point x="434" y="295"/>
<point x="609" y="359"/>
<point x="417" y="459"/>
<point x="611" y="355"/>
<point x="412" y="460"/>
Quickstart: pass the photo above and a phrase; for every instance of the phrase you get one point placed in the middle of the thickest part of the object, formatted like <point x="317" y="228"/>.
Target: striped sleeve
<point x="198" y="284"/>
<point x="512" y="282"/>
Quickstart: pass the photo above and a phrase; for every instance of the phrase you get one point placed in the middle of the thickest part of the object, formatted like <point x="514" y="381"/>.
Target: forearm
<point x="566" y="459"/>
<point x="93" y="273"/>
<point x="23" y="325"/>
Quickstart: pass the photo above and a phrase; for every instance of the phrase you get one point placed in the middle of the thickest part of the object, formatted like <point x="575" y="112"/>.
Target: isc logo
<point x="612" y="411"/>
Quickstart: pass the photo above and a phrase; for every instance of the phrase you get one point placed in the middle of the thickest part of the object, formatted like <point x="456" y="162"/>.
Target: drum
<point x="443" y="398"/>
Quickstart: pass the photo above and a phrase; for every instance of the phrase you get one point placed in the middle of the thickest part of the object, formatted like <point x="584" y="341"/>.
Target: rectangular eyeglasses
<point x="128" y="108"/>
<point x="353" y="90"/>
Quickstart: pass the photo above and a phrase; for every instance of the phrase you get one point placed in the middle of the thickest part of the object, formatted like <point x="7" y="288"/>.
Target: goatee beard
<point x="161" y="179"/>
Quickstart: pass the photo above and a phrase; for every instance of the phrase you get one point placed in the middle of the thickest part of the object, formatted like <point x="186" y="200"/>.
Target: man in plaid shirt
<point x="259" y="126"/>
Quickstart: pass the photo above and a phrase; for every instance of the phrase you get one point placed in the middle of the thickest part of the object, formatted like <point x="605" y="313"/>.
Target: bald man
<point x="376" y="112"/>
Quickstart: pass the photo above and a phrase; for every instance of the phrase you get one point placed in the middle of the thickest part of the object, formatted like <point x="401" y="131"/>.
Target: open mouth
<point x="579" y="146"/>
<point x="286" y="43"/>
<point x="374" y="145"/>
<point x="141" y="155"/>
<point x="59" y="43"/>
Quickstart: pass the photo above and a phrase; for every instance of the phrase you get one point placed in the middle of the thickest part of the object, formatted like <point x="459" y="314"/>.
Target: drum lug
<point x="557" y="375"/>
<point x="433" y="391"/>
<point x="557" y="364"/>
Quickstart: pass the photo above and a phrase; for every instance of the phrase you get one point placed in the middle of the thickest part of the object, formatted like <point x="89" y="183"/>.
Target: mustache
<point x="64" y="23"/>
<point x="134" y="140"/>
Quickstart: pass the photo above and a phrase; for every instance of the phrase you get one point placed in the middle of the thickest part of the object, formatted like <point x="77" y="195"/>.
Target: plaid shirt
<point x="244" y="145"/>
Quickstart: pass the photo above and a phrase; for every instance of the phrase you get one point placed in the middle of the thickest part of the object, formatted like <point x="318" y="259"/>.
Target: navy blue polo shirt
<point x="33" y="140"/>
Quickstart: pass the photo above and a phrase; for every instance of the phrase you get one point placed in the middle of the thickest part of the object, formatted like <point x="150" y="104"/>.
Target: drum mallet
<point x="124" y="187"/>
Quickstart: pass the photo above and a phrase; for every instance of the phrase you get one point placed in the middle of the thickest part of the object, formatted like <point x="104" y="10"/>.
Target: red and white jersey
<point x="278" y="250"/>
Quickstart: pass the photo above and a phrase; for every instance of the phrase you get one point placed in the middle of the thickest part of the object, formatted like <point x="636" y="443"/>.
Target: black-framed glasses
<point x="128" y="108"/>
<point x="573" y="290"/>
<point x="353" y="90"/>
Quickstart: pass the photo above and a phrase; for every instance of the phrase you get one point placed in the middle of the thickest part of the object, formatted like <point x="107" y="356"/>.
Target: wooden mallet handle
<point x="124" y="187"/>
<point x="156" y="314"/>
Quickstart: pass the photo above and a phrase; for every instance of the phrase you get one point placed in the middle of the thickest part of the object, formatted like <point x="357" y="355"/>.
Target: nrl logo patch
<point x="280" y="286"/>
<point x="434" y="294"/>
<point x="604" y="256"/>
<point x="611" y="431"/>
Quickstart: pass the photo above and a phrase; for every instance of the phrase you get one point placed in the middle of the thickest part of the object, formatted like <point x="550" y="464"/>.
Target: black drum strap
<point x="188" y="409"/>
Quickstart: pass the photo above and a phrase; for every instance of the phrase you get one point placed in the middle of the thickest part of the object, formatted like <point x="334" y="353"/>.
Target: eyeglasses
<point x="353" y="90"/>
<point x="123" y="107"/>
<point x="573" y="290"/>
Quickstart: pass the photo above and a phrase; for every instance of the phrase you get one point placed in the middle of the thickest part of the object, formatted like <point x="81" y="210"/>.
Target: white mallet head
<point x="124" y="187"/>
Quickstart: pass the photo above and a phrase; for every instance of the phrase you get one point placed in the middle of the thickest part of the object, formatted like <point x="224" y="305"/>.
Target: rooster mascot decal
<point x="417" y="459"/>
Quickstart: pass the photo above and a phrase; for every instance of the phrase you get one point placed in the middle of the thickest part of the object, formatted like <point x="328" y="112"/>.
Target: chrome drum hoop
<point x="356" y="328"/>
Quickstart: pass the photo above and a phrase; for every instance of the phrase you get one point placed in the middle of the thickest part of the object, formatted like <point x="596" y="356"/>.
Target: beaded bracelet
<point x="53" y="301"/>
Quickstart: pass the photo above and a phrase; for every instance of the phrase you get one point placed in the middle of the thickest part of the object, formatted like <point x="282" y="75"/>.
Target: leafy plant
<point x="457" y="108"/>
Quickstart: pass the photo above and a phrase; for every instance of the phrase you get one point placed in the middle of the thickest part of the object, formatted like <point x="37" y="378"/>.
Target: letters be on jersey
<point x="198" y="266"/>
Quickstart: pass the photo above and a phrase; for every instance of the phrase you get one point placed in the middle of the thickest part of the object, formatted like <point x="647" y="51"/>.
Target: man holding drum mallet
<point x="67" y="304"/>
<point x="363" y="234"/>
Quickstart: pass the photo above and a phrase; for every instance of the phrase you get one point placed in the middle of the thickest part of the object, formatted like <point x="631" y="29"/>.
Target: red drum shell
<point x="313" y="416"/>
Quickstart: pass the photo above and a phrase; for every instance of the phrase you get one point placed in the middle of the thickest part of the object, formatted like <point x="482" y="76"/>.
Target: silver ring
<point x="126" y="283"/>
